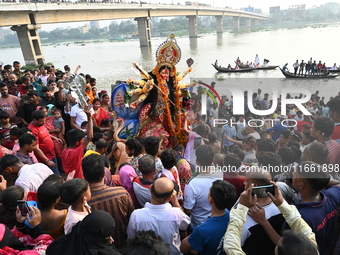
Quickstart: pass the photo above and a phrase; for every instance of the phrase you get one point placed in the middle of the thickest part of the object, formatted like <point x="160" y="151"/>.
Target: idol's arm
<point x="182" y="75"/>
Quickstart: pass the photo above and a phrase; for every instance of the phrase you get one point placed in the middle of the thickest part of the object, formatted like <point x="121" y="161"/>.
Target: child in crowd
<point x="59" y="122"/>
<point x="13" y="136"/>
<point x="5" y="125"/>
<point x="76" y="193"/>
<point x="72" y="156"/>
<point x="83" y="126"/>
<point x="169" y="159"/>
<point x="27" y="143"/>
<point x="105" y="123"/>
<point x="105" y="127"/>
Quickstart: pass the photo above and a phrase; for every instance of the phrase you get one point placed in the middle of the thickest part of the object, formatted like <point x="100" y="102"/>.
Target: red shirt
<point x="334" y="152"/>
<point x="72" y="159"/>
<point x="336" y="133"/>
<point x="300" y="123"/>
<point x="238" y="182"/>
<point x="44" y="140"/>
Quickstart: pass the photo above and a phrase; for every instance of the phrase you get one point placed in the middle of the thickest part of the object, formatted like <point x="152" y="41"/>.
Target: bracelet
<point x="47" y="160"/>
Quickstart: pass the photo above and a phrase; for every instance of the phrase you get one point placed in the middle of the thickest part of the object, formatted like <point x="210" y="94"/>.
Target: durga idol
<point x="160" y="93"/>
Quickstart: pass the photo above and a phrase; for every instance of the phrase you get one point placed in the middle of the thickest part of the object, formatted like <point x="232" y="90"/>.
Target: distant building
<point x="274" y="10"/>
<point x="249" y="9"/>
<point x="293" y="13"/>
<point x="84" y="29"/>
<point x="94" y="24"/>
<point x="333" y="7"/>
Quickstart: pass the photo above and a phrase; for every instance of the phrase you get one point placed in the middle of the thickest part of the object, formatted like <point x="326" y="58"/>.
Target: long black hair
<point x="8" y="207"/>
<point x="153" y="95"/>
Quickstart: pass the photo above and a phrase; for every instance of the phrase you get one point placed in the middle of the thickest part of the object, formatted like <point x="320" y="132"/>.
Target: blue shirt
<point x="277" y="131"/>
<point x="322" y="217"/>
<point x="325" y="111"/>
<point x="231" y="132"/>
<point x="207" y="236"/>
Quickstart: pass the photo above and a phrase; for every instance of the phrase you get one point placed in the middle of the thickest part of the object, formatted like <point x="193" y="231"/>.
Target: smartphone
<point x="197" y="142"/>
<point x="23" y="207"/>
<point x="261" y="191"/>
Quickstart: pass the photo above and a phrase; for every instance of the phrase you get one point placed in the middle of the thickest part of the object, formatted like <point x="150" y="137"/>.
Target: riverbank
<point x="201" y="32"/>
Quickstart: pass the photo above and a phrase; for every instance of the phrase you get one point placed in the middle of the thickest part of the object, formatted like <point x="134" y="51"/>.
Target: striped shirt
<point x="117" y="202"/>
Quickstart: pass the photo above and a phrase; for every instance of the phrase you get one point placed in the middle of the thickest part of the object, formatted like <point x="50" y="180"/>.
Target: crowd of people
<point x="310" y="68"/>
<point x="97" y="194"/>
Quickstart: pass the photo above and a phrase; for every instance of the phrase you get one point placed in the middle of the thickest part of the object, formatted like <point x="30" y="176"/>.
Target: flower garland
<point x="177" y="102"/>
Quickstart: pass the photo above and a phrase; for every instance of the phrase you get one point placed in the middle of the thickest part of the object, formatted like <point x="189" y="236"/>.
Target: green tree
<point x="114" y="28"/>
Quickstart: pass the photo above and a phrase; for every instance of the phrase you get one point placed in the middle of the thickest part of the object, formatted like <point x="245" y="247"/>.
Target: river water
<point x="111" y="61"/>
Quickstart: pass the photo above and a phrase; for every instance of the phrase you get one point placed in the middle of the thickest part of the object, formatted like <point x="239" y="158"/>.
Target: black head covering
<point x="88" y="237"/>
<point x="7" y="238"/>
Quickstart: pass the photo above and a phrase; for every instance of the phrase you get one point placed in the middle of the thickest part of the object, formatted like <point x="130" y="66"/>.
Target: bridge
<point x="26" y="19"/>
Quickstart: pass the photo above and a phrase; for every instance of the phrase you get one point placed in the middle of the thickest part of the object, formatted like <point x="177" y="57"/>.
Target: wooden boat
<point x="257" y="68"/>
<point x="333" y="71"/>
<point x="323" y="76"/>
<point x="226" y="70"/>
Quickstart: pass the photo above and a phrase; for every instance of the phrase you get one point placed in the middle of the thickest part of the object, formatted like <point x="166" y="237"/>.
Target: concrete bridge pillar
<point x="255" y="22"/>
<point x="144" y="31"/>
<point x="248" y="22"/>
<point x="30" y="44"/>
<point x="192" y="26"/>
<point x="219" y="24"/>
<point x="236" y="23"/>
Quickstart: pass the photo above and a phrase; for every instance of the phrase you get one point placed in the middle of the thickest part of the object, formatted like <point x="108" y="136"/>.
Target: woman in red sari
<point x="58" y="146"/>
<point x="99" y="111"/>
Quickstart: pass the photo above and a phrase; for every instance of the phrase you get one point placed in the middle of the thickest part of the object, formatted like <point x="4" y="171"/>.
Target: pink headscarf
<point x="126" y="174"/>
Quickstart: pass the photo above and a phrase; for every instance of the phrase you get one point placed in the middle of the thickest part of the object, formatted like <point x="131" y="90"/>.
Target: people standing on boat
<point x="324" y="69"/>
<point x="284" y="68"/>
<point x="265" y="62"/>
<point x="257" y="60"/>
<point x="334" y="67"/>
<point x="296" y="66"/>
<point x="308" y="67"/>
<point x="319" y="67"/>
<point x="302" y="66"/>
<point x="238" y="61"/>
<point x="313" y="67"/>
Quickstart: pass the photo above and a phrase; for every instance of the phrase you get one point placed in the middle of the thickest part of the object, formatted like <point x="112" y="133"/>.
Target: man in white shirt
<point x="210" y="104"/>
<point x="30" y="177"/>
<point x="78" y="116"/>
<point x="257" y="60"/>
<point x="299" y="116"/>
<point x="196" y="202"/>
<point x="296" y="66"/>
<point x="167" y="221"/>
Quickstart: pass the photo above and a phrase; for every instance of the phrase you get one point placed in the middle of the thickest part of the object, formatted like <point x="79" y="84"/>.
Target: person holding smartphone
<point x="299" y="240"/>
<point x="32" y="225"/>
<point x="267" y="229"/>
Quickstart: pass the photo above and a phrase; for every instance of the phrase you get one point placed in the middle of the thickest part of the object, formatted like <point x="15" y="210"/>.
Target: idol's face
<point x="164" y="74"/>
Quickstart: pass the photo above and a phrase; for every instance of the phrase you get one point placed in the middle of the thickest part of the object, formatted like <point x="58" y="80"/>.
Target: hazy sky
<point x="261" y="4"/>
